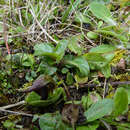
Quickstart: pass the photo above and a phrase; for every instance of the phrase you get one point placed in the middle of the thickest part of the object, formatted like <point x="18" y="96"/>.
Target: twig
<point x="20" y="17"/>
<point x="3" y="111"/>
<point x="49" y="12"/>
<point x="66" y="89"/>
<point x="2" y="22"/>
<point x="101" y="84"/>
<point x="119" y="83"/>
<point x="3" y="117"/>
<point x="43" y="30"/>
<point x="105" y="83"/>
<point x="87" y="37"/>
<point x="20" y="34"/>
<point x="13" y="105"/>
<point x="127" y="70"/>
<point x="106" y="124"/>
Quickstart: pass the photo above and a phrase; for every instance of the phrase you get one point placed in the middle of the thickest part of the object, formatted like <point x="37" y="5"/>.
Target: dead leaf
<point x="40" y="82"/>
<point x="121" y="64"/>
<point x="40" y="86"/>
<point x="94" y="97"/>
<point x="100" y="74"/>
<point x="70" y="113"/>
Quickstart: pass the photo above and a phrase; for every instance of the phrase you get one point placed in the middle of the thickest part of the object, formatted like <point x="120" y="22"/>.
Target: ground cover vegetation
<point x="64" y="64"/>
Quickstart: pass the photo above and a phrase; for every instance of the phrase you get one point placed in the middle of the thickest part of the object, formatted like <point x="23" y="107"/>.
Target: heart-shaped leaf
<point x="44" y="49"/>
<point x="47" y="122"/>
<point x="46" y="69"/>
<point x="106" y="70"/>
<point x="92" y="97"/>
<point x="60" y="49"/>
<point x="101" y="12"/>
<point x="104" y="48"/>
<point x="120" y="101"/>
<point x="47" y="49"/>
<point x="95" y="60"/>
<point x="80" y="64"/>
<point x="99" y="109"/>
<point x="74" y="46"/>
<point x="52" y="121"/>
